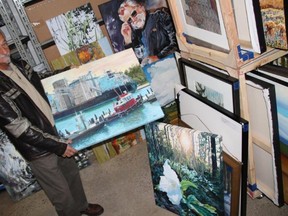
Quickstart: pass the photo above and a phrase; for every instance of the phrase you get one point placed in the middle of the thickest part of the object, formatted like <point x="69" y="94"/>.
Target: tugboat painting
<point x="101" y="99"/>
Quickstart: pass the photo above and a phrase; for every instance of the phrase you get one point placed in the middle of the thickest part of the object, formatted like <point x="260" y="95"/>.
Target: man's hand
<point x="70" y="151"/>
<point x="149" y="60"/>
<point x="126" y="32"/>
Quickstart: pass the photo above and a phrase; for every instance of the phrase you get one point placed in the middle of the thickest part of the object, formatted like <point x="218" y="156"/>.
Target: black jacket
<point x="19" y="113"/>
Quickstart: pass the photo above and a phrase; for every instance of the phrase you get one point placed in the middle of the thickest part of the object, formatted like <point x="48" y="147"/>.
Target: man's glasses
<point x="133" y="14"/>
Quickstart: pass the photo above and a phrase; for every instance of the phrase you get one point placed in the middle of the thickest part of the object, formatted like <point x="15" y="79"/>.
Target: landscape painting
<point x="101" y="99"/>
<point x="187" y="169"/>
<point x="274" y="17"/>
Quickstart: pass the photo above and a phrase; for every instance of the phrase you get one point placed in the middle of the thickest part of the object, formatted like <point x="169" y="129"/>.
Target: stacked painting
<point x="186" y="167"/>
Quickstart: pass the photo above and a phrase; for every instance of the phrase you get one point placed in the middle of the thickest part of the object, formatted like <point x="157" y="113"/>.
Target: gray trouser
<point x="60" y="179"/>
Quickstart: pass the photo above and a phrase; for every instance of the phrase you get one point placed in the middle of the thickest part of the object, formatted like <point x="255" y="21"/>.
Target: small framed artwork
<point x="201" y="114"/>
<point x="219" y="88"/>
<point x="203" y="23"/>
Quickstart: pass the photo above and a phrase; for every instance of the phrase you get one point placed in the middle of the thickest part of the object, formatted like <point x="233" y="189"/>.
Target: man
<point x="27" y="119"/>
<point x="151" y="33"/>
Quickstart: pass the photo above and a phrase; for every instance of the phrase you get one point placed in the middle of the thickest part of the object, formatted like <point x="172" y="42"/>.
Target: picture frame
<point x="265" y="138"/>
<point x="101" y="99"/>
<point x="219" y="88"/>
<point x="197" y="26"/>
<point x="232" y="180"/>
<point x="204" y="115"/>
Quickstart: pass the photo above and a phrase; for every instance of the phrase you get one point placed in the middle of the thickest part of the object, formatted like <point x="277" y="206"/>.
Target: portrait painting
<point x="274" y="17"/>
<point x="146" y="26"/>
<point x="101" y="99"/>
<point x="75" y="28"/>
<point x="187" y="169"/>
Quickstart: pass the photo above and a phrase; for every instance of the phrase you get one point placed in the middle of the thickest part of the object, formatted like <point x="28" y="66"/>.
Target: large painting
<point x="146" y="26"/>
<point x="186" y="167"/>
<point x="101" y="99"/>
<point x="74" y="29"/>
<point x="15" y="172"/>
<point x="274" y="17"/>
<point x="204" y="115"/>
<point x="265" y="138"/>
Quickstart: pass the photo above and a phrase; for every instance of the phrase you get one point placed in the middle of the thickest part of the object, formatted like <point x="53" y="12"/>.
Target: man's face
<point x="4" y="51"/>
<point x="134" y="15"/>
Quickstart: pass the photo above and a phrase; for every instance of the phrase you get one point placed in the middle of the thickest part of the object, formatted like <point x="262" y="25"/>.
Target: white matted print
<point x="203" y="20"/>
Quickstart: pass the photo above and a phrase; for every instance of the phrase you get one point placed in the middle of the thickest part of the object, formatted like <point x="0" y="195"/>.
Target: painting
<point x="265" y="138"/>
<point x="162" y="76"/>
<point x="249" y="25"/>
<point x="146" y="26"/>
<point x="101" y="99"/>
<point x="187" y="169"/>
<point x="74" y="29"/>
<point x="274" y="18"/>
<point x="15" y="173"/>
<point x="219" y="88"/>
<point x="204" y="115"/>
<point x="203" y="23"/>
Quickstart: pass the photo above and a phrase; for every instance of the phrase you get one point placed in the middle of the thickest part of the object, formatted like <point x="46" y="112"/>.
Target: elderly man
<point x="27" y="118"/>
<point x="150" y="33"/>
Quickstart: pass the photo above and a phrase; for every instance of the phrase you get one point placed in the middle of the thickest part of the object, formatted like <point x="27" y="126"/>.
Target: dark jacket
<point x="19" y="113"/>
<point x="158" y="35"/>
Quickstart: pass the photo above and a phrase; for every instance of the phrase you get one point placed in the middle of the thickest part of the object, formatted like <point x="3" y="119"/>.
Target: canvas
<point x="265" y="138"/>
<point x="186" y="167"/>
<point x="163" y="75"/>
<point x="101" y="99"/>
<point x="141" y="39"/>
<point x="274" y="17"/>
<point x="75" y="28"/>
<point x="201" y="114"/>
<point x="15" y="172"/>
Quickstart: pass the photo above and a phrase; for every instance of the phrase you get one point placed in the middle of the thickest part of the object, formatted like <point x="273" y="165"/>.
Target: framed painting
<point x="203" y="23"/>
<point x="204" y="115"/>
<point x="219" y="88"/>
<point x="274" y="18"/>
<point x="265" y="138"/>
<point x="101" y="99"/>
<point x="186" y="167"/>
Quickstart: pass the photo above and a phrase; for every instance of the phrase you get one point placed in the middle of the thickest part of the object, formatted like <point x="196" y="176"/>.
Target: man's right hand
<point x="69" y="152"/>
<point x="126" y="32"/>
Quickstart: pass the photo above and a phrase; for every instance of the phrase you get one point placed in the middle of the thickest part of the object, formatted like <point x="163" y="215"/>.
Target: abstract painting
<point x="75" y="28"/>
<point x="101" y="99"/>
<point x="15" y="173"/>
<point x="187" y="169"/>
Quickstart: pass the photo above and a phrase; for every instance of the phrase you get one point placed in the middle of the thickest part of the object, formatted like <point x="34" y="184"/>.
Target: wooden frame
<point x="224" y="89"/>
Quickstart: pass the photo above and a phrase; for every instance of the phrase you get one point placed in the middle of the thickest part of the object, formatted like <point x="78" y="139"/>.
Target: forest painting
<point x="187" y="169"/>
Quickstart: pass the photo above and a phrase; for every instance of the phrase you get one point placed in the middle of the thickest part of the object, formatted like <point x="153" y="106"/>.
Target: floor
<point x="123" y="186"/>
